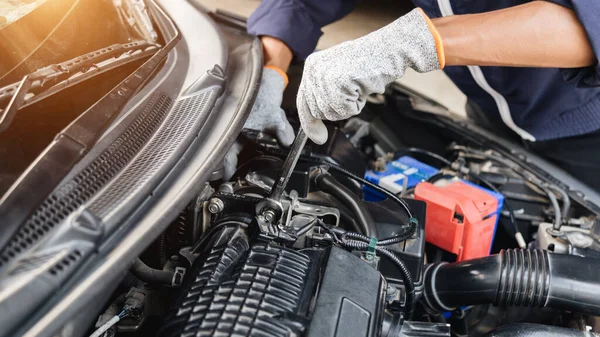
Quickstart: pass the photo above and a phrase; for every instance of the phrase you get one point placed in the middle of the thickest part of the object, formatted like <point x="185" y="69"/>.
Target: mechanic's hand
<point x="266" y="116"/>
<point x="337" y="81"/>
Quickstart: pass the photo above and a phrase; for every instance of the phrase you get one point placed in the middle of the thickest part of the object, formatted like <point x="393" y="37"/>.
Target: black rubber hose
<point x="405" y="235"/>
<point x="327" y="183"/>
<point x="536" y="330"/>
<point x="151" y="275"/>
<point x="516" y="277"/>
<point x="407" y="280"/>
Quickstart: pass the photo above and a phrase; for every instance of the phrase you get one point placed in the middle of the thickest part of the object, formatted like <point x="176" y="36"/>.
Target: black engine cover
<point x="240" y="286"/>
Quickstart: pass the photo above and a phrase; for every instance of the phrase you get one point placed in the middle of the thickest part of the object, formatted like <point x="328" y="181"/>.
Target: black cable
<point x="327" y="183"/>
<point x="307" y="227"/>
<point x="412" y="229"/>
<point x="322" y="224"/>
<point x="407" y="234"/>
<point x="362" y="181"/>
<point x="385" y="242"/>
<point x="430" y="154"/>
<point x="439" y="176"/>
<point x="407" y="280"/>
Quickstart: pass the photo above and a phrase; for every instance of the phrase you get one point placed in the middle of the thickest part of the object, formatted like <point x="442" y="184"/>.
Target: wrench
<point x="271" y="207"/>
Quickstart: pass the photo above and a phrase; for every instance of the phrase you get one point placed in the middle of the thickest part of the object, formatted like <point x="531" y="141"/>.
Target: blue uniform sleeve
<point x="298" y="23"/>
<point x="588" y="12"/>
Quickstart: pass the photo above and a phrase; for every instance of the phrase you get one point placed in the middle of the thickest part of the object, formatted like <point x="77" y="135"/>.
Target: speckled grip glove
<point x="266" y="115"/>
<point x="337" y="81"/>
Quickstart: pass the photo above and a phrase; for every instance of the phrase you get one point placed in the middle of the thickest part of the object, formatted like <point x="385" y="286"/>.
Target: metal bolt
<point x="391" y="293"/>
<point x="215" y="205"/>
<point x="269" y="215"/>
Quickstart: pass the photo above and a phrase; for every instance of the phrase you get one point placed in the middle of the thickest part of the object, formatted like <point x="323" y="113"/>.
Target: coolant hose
<point x="536" y="330"/>
<point x="516" y="277"/>
<point x="151" y="275"/>
<point x="327" y="183"/>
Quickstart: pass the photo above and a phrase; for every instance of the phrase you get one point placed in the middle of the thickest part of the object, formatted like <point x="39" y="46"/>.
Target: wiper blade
<point x="49" y="80"/>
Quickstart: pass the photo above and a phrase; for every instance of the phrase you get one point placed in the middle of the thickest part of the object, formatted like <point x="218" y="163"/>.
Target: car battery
<point x="394" y="176"/>
<point x="461" y="217"/>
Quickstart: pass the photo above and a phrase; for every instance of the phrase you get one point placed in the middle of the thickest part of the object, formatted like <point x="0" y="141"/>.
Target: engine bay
<point x="391" y="228"/>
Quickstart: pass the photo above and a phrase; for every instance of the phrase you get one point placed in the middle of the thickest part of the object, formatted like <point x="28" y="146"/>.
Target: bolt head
<point x="215" y="205"/>
<point x="269" y="215"/>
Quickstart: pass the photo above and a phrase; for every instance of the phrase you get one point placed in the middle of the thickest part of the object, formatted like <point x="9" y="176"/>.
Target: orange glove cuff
<point x="281" y="72"/>
<point x="439" y="46"/>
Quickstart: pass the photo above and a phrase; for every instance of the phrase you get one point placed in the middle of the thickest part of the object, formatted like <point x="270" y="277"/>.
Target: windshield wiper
<point x="52" y="79"/>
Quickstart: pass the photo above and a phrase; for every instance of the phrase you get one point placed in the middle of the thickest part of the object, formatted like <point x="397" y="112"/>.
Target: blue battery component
<point x="394" y="175"/>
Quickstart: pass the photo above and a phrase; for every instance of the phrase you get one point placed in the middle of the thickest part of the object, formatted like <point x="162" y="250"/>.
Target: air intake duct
<point x="519" y="277"/>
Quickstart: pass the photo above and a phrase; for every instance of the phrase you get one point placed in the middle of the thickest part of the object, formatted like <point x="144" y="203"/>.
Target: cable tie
<point x="371" y="249"/>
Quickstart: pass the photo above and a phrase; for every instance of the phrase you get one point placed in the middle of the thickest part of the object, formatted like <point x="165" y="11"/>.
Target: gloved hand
<point x="266" y="116"/>
<point x="337" y="81"/>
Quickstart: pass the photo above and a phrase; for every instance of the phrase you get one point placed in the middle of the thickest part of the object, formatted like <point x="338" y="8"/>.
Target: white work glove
<point x="266" y="116"/>
<point x="336" y="81"/>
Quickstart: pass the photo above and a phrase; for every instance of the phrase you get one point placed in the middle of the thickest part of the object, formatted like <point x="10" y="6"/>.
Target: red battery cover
<point x="460" y="218"/>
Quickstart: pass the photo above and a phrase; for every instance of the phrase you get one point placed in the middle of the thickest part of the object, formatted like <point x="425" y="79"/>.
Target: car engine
<point x="463" y="243"/>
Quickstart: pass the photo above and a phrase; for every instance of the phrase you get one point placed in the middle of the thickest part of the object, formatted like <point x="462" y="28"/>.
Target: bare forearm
<point x="536" y="34"/>
<point x="276" y="53"/>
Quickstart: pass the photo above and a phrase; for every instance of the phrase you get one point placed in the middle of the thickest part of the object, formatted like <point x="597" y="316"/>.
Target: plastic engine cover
<point x="238" y="287"/>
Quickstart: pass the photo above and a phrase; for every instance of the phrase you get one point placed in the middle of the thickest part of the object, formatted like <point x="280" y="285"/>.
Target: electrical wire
<point x="111" y="322"/>
<point x="565" y="199"/>
<point x="430" y="154"/>
<point x="557" y="210"/>
<point x="304" y="229"/>
<point x="407" y="234"/>
<point x="334" y="236"/>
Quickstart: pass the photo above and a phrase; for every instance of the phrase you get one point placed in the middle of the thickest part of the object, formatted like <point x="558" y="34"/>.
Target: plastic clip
<point x="371" y="250"/>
